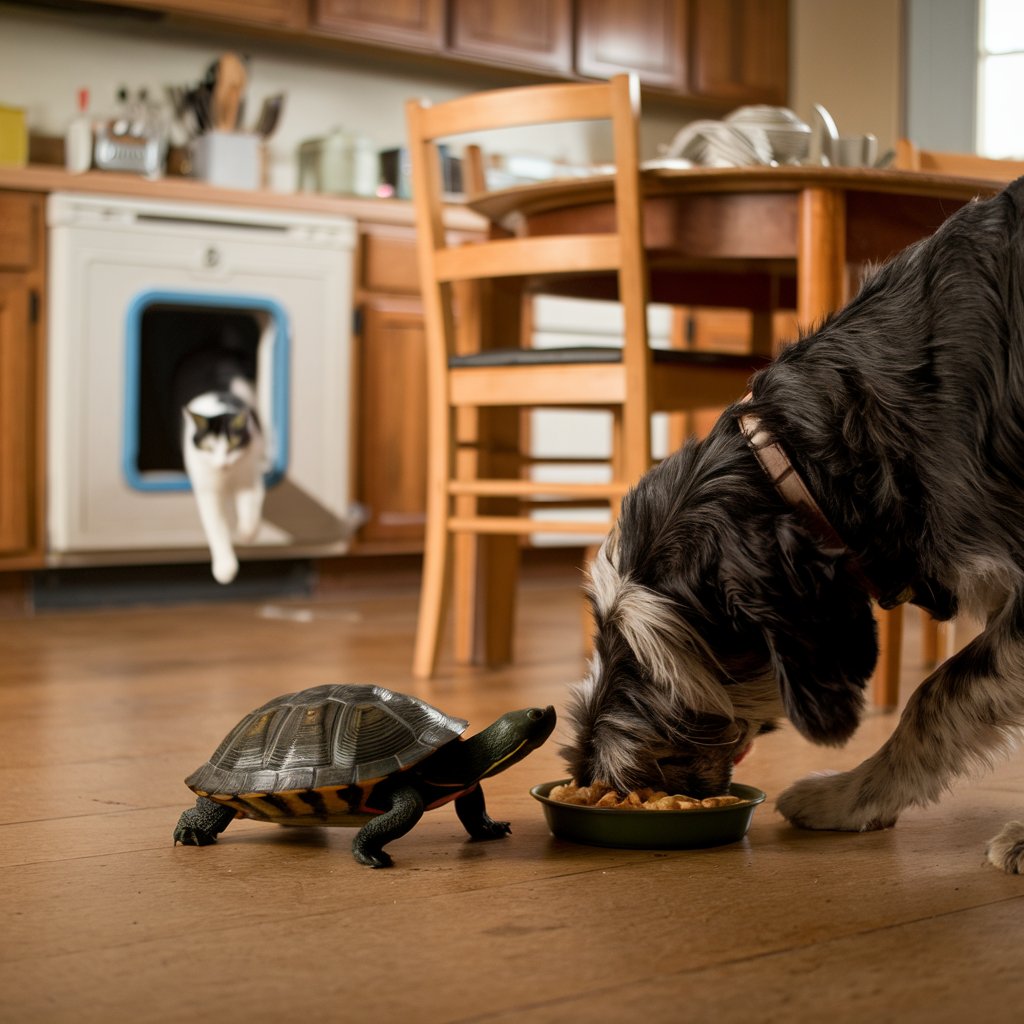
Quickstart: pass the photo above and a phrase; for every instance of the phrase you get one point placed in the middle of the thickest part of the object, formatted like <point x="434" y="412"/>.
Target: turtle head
<point x="508" y="740"/>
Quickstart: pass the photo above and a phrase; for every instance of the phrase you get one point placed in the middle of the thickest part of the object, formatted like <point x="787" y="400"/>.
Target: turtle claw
<point x="372" y="858"/>
<point x="491" y="829"/>
<point x="193" y="837"/>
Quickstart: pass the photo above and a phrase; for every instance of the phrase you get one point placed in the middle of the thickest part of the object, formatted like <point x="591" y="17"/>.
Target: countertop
<point x="38" y="178"/>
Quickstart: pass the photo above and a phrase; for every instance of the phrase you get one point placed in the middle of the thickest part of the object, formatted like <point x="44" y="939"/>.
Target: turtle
<point x="356" y="755"/>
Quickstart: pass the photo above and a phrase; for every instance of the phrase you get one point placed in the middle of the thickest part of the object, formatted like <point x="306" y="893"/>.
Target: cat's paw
<point x="225" y="569"/>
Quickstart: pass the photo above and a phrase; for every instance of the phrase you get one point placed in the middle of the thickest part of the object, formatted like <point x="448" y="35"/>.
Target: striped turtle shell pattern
<point x="333" y="735"/>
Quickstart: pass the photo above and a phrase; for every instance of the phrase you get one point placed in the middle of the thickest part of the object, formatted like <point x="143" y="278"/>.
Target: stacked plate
<point x="788" y="136"/>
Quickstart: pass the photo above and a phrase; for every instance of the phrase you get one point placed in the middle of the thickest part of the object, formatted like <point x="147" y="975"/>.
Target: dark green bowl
<point x="649" y="830"/>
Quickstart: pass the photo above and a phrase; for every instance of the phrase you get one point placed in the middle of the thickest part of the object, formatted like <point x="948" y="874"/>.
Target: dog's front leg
<point x="966" y="712"/>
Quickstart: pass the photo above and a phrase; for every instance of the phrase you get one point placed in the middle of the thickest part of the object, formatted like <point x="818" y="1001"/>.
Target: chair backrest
<point x="968" y="165"/>
<point x="619" y="252"/>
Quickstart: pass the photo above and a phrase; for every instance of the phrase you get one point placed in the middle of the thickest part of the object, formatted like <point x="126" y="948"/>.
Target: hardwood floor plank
<point x="946" y="969"/>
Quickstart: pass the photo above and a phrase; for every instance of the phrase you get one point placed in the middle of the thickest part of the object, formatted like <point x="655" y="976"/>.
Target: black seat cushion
<point x="601" y="354"/>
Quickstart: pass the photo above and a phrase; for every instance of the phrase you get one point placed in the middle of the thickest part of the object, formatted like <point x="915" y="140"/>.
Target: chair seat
<point x="605" y="354"/>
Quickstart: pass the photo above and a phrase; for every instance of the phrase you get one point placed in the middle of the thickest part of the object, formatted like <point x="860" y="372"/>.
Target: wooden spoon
<point x="227" y="92"/>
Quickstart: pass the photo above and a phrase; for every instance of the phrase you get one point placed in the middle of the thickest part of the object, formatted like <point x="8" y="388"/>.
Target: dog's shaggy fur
<point x="719" y="609"/>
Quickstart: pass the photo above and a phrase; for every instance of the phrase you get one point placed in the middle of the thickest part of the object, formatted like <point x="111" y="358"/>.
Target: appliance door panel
<point x="97" y="272"/>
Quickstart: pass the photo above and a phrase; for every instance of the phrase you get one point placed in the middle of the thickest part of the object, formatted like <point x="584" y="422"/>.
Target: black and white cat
<point x="223" y="450"/>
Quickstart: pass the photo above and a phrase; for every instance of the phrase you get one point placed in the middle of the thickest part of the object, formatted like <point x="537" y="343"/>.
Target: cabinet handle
<point x="33" y="306"/>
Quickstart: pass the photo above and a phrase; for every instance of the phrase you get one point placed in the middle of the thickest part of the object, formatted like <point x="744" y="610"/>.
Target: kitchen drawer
<point x="389" y="262"/>
<point x="17" y="235"/>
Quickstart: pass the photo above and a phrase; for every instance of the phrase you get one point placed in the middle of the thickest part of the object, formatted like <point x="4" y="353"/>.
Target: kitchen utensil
<point x="229" y="84"/>
<point x="824" y="135"/>
<point x="270" y="114"/>
<point x="854" y="150"/>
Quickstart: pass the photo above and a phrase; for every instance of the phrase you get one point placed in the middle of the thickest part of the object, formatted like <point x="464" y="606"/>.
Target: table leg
<point x="821" y="254"/>
<point x="821" y="289"/>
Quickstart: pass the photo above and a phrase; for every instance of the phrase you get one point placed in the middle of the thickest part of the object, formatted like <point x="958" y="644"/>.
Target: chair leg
<point x="931" y="641"/>
<point x="886" y="680"/>
<point x="433" y="595"/>
<point x="437" y="551"/>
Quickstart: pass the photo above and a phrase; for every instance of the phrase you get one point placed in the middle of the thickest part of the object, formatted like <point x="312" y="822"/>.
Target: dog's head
<point x="716" y="613"/>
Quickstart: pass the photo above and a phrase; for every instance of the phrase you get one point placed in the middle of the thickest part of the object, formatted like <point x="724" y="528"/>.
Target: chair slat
<point x="526" y="488"/>
<point x="519" y="257"/>
<point x="522" y="526"/>
<point x="581" y="385"/>
<point x="513" y="108"/>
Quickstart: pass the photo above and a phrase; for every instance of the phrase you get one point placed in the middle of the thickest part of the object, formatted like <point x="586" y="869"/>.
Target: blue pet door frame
<point x="161" y="329"/>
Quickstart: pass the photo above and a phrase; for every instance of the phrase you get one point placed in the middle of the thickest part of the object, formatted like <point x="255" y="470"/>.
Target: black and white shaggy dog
<point x="721" y="605"/>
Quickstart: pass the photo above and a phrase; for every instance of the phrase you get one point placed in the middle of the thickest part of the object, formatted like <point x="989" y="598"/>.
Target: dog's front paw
<point x="1006" y="850"/>
<point x="832" y="801"/>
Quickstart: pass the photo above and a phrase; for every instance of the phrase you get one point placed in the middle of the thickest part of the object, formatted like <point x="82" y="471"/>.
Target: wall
<point x="848" y="56"/>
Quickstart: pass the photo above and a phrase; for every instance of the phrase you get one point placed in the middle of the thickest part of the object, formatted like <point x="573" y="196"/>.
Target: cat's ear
<point x="201" y="422"/>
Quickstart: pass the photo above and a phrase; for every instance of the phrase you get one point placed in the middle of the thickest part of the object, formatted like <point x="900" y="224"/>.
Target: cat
<point x="223" y="450"/>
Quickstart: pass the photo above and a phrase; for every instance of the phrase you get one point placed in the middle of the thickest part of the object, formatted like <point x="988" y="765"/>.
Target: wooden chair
<point x="480" y="377"/>
<point x="965" y="165"/>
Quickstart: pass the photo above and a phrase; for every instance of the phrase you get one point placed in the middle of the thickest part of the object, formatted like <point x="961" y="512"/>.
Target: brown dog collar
<point x="792" y="489"/>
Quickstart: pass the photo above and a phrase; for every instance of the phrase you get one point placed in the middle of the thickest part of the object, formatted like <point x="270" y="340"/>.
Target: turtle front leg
<point x="472" y="812"/>
<point x="406" y="810"/>
<point x="200" y="825"/>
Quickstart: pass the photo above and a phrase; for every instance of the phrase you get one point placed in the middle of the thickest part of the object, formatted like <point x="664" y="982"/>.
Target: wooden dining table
<point x="755" y="238"/>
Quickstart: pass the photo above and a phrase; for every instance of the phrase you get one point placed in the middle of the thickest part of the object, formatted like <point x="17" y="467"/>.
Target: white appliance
<point x="134" y="287"/>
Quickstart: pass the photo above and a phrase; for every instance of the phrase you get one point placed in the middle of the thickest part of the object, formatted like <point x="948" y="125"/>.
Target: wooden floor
<point x="102" y="713"/>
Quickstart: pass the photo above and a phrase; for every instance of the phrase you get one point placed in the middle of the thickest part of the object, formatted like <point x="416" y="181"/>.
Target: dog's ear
<point x="819" y="629"/>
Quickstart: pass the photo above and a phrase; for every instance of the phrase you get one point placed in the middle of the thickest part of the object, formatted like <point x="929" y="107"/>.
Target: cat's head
<point x="220" y="426"/>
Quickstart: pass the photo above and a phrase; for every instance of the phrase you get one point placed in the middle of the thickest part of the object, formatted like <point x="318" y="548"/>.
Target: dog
<point x="881" y="457"/>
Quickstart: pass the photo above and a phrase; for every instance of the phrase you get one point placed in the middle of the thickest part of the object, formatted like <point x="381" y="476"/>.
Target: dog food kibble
<point x="600" y="795"/>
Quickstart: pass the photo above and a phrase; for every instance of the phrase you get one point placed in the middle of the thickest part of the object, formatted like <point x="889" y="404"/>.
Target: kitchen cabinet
<point x="534" y="34"/>
<point x="710" y="54"/>
<point x="406" y="24"/>
<point x="391" y="478"/>
<point x="283" y="14"/>
<point x="740" y="50"/>
<point x="391" y="455"/>
<point x="719" y="50"/>
<point x="646" y="36"/>
<point x="21" y="400"/>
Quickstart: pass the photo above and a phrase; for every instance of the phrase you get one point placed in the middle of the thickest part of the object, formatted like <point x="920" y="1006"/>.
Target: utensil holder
<point x="227" y="159"/>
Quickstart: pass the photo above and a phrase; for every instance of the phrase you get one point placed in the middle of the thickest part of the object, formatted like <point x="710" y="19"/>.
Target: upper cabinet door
<point x="526" y="34"/>
<point x="645" y="36"/>
<point x="282" y="14"/>
<point x="409" y="24"/>
<point x="740" y="49"/>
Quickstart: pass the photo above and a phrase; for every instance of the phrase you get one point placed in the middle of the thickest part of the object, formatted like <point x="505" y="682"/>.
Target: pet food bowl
<point x="650" y="830"/>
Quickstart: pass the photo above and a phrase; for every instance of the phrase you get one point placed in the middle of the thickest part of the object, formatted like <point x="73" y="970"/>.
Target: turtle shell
<point x="327" y="736"/>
